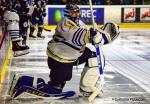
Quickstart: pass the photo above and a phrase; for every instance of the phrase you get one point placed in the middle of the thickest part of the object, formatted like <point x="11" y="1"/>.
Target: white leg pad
<point x="89" y="78"/>
<point x="93" y="61"/>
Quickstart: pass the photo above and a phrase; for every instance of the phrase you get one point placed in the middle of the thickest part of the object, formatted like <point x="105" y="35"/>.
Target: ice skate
<point x="31" y="36"/>
<point x="19" y="50"/>
<point x="24" y="41"/>
<point x="39" y="36"/>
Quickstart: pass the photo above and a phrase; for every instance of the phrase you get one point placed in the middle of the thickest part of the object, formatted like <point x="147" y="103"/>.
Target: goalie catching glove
<point x="108" y="33"/>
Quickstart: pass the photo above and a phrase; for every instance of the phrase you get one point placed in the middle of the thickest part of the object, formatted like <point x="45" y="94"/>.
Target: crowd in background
<point x="103" y="2"/>
<point x="19" y="16"/>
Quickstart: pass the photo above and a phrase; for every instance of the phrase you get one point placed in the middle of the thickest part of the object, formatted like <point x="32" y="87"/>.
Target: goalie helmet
<point x="72" y="12"/>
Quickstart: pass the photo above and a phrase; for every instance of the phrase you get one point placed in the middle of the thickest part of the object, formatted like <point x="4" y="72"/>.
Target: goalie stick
<point x="41" y="94"/>
<point x="98" y="54"/>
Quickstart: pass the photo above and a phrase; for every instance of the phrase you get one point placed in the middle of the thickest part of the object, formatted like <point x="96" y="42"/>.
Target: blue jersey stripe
<point x="80" y="40"/>
<point x="77" y="36"/>
<point x="74" y="36"/>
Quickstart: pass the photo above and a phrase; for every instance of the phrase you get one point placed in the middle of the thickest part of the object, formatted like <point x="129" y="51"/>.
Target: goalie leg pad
<point x="92" y="62"/>
<point x="19" y="81"/>
<point x="90" y="76"/>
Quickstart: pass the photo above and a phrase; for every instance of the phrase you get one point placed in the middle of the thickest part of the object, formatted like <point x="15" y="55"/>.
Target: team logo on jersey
<point x="25" y="24"/>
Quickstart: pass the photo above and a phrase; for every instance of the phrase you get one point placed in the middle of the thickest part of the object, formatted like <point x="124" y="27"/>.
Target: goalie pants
<point x="62" y="72"/>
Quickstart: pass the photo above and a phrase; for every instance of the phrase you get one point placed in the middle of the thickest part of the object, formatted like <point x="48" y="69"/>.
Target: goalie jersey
<point x="68" y="41"/>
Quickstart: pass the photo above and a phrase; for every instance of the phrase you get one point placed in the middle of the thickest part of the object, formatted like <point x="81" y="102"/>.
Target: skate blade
<point x="30" y="38"/>
<point x="38" y="38"/>
<point x="21" y="53"/>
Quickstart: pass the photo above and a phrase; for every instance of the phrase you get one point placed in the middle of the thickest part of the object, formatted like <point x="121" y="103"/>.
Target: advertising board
<point x="56" y="14"/>
<point x="145" y="14"/>
<point x="129" y="14"/>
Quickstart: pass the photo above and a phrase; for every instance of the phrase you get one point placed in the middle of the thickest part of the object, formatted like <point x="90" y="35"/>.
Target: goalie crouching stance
<point x="68" y="48"/>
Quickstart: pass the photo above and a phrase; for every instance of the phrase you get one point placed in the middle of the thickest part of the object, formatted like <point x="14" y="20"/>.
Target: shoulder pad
<point x="70" y="24"/>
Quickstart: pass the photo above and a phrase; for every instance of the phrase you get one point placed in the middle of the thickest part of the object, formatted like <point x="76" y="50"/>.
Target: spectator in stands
<point x="63" y="2"/>
<point x="117" y="2"/>
<point x="97" y="2"/>
<point x="108" y="2"/>
<point x="137" y="2"/>
<point x="80" y="2"/>
<point x="128" y="2"/>
<point x="146" y="2"/>
<point x="2" y="3"/>
<point x="57" y="2"/>
<point x="121" y="2"/>
<point x="84" y="2"/>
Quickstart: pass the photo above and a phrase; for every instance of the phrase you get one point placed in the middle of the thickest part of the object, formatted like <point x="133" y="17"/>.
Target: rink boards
<point x="123" y="25"/>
